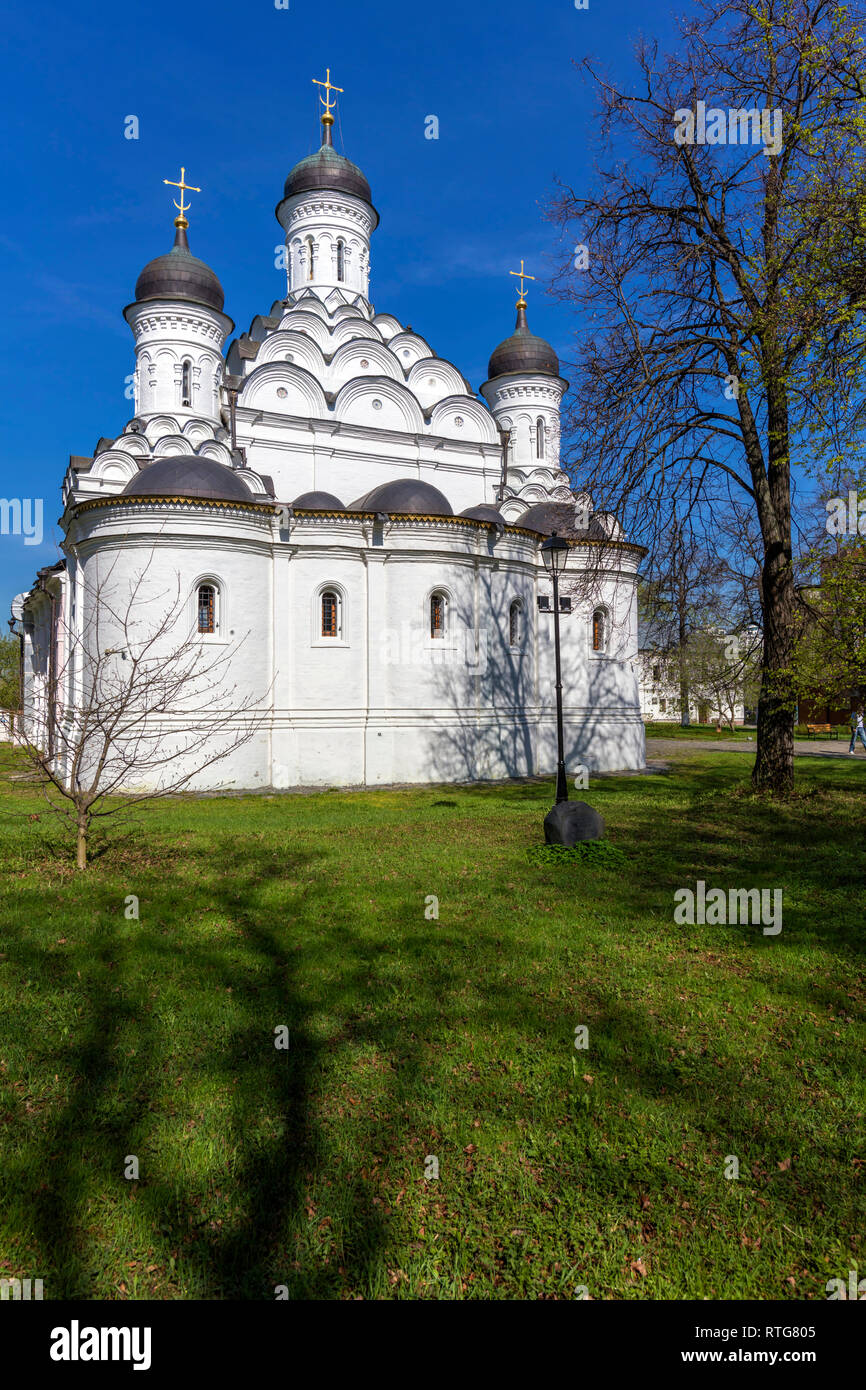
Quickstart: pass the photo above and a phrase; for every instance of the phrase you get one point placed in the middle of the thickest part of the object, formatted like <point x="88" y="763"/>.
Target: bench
<point x="824" y="730"/>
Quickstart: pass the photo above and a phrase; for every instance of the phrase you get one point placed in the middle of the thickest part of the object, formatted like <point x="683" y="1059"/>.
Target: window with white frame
<point x="207" y="607"/>
<point x="438" y="615"/>
<point x="331" y="615"/>
<point x="515" y="623"/>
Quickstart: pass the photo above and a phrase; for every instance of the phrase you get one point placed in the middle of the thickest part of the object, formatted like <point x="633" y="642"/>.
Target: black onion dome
<point x="485" y="511"/>
<point x="188" y="475"/>
<point x="523" y="352"/>
<point x="327" y="169"/>
<point x="318" y="502"/>
<point x="548" y="517"/>
<point x="408" y="495"/>
<point x="180" y="275"/>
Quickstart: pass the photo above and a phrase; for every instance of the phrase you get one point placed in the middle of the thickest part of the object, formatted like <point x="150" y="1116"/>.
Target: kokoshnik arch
<point x="344" y="517"/>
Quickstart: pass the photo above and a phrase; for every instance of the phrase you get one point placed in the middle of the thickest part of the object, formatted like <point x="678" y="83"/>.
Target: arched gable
<point x="387" y="325"/>
<point x="288" y="345"/>
<point x="303" y="393"/>
<point x="304" y="321"/>
<point x="462" y="417"/>
<point x="431" y="379"/>
<point x="409" y="349"/>
<point x="171" y="445"/>
<point x="362" y="357"/>
<point x="379" y="403"/>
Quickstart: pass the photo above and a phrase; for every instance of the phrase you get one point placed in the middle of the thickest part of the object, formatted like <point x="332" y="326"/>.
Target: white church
<point x="341" y="519"/>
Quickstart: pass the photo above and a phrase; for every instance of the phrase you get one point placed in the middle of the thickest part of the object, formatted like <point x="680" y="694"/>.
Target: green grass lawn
<point x="659" y="729"/>
<point x="452" y="1038"/>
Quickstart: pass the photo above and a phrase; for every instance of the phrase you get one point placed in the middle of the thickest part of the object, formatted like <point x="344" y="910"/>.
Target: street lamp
<point x="554" y="553"/>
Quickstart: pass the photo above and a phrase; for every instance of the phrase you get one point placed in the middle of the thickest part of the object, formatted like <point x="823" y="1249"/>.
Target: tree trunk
<point x="81" y="845"/>
<point x="774" y="762"/>
<point x="685" y="692"/>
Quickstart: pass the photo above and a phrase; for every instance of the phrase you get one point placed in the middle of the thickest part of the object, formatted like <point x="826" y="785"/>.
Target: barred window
<point x="330" y="614"/>
<point x="515" y="616"/>
<point x="598" y="633"/>
<point x="206" y="608"/>
<point x="437" y="615"/>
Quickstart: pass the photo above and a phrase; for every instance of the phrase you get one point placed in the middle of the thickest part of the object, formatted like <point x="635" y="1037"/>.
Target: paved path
<point x="803" y="747"/>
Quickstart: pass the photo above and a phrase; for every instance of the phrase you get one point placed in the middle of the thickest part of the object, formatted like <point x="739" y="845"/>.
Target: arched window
<point x="310" y="255"/>
<point x="186" y="383"/>
<point x="207" y="608"/>
<point x="341" y="259"/>
<point x="438" y="615"/>
<point x="539" y="438"/>
<point x="515" y="623"/>
<point x="330" y="613"/>
<point x="598" y="632"/>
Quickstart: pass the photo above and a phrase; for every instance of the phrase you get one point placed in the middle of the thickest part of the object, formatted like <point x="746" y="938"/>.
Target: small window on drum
<point x="330" y="613"/>
<point x="341" y="260"/>
<point x="207" y="608"/>
<point x="539" y="438"/>
<point x="186" y="383"/>
<point x="438" y="615"/>
<point x="599" y="635"/>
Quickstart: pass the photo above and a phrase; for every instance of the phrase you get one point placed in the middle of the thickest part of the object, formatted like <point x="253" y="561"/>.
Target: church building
<point x="350" y="535"/>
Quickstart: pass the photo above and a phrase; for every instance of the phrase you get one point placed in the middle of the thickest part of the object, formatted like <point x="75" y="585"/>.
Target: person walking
<point x="857" y="730"/>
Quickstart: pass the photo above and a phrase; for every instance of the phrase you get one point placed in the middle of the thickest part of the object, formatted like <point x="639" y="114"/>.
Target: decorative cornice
<point x="196" y="503"/>
<point x="330" y="207"/>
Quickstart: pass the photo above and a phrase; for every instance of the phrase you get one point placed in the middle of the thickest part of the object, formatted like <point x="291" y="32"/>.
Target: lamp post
<point x="554" y="553"/>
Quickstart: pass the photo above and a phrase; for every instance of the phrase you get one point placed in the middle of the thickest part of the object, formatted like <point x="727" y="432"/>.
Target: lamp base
<point x="569" y="822"/>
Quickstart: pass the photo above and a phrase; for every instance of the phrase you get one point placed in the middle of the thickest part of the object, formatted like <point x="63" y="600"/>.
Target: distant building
<point x="716" y="694"/>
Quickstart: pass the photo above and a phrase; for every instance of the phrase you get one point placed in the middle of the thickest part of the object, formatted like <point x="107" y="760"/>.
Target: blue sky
<point x="226" y="91"/>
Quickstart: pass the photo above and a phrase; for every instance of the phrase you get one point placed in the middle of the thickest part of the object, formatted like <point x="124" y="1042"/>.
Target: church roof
<point x="180" y="275"/>
<point x="327" y="170"/>
<point x="318" y="502"/>
<point x="189" y="475"/>
<point x="523" y="352"/>
<point x="485" y="511"/>
<point x="407" y="495"/>
<point x="548" y="517"/>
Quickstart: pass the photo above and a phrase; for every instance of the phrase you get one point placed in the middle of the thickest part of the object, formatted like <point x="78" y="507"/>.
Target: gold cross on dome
<point x="327" y="118"/>
<point x="521" y="303"/>
<point x="181" y="206"/>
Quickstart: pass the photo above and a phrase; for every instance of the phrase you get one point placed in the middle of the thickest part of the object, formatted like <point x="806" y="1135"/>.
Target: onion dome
<point x="523" y="352"/>
<point x="548" y="517"/>
<point x="327" y="170"/>
<point x="407" y="495"/>
<point x="485" y="511"/>
<point x="188" y="475"/>
<point x="180" y="275"/>
<point x="318" y="502"/>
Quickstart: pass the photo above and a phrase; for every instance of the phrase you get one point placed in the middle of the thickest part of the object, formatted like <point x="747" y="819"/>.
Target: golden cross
<point x="329" y="87"/>
<point x="523" y="276"/>
<point x="184" y="188"/>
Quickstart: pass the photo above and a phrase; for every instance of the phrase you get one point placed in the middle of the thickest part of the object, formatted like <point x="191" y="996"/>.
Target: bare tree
<point x="722" y="282"/>
<point x="138" y="719"/>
